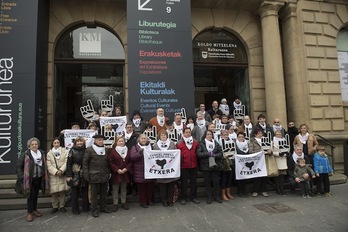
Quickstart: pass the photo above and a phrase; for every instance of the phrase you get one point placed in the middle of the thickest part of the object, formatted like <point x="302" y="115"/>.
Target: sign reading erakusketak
<point x="160" y="72"/>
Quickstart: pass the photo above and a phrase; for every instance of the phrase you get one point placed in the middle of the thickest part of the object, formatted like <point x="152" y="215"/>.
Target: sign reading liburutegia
<point x="160" y="71"/>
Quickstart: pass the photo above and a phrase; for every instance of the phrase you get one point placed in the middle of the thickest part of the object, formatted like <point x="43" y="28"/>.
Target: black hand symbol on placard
<point x="152" y="135"/>
<point x="87" y="111"/>
<point x="173" y="136"/>
<point x="107" y="105"/>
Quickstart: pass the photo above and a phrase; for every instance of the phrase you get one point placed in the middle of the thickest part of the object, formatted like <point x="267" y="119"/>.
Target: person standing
<point x="308" y="141"/>
<point x="160" y="120"/>
<point x="214" y="110"/>
<point x="145" y="187"/>
<point x="56" y="165"/>
<point x="205" y="113"/>
<point x="79" y="186"/>
<point x="121" y="167"/>
<point x="322" y="169"/>
<point x="96" y="171"/>
<point x="209" y="153"/>
<point x="166" y="185"/>
<point x="32" y="176"/>
<point x="138" y="122"/>
<point x="242" y="148"/>
<point x="225" y="109"/>
<point x="200" y="127"/>
<point x="188" y="167"/>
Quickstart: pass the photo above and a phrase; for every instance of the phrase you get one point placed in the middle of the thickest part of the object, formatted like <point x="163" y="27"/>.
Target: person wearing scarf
<point x="225" y="109"/>
<point x="160" y="120"/>
<point x="277" y="126"/>
<point x="138" y="123"/>
<point x="178" y="125"/>
<point x="166" y="185"/>
<point x="74" y="171"/>
<point x="188" y="166"/>
<point x="130" y="135"/>
<point x="200" y="127"/>
<point x="254" y="146"/>
<point x="56" y="165"/>
<point x="308" y="141"/>
<point x="292" y="162"/>
<point x="205" y="113"/>
<point x="242" y="148"/>
<point x="96" y="171"/>
<point x="262" y="125"/>
<point x="208" y="153"/>
<point x="121" y="168"/>
<point x="145" y="187"/>
<point x="32" y="175"/>
<point x="281" y="159"/>
<point x="246" y="127"/>
<point x="226" y="175"/>
<point x="190" y="123"/>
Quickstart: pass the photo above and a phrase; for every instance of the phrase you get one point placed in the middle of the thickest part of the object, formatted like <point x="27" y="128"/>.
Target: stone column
<point x="272" y="60"/>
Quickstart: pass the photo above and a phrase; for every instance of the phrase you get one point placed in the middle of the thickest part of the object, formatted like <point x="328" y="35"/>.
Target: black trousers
<point x="260" y="184"/>
<point x="323" y="179"/>
<point x="186" y="174"/>
<point x="34" y="193"/>
<point x="226" y="179"/>
<point x="102" y="188"/>
<point x="167" y="192"/>
<point x="76" y="192"/>
<point x="241" y="186"/>
<point x="304" y="185"/>
<point x="211" y="182"/>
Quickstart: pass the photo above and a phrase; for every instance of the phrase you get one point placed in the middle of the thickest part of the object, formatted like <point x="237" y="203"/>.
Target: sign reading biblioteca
<point x="160" y="72"/>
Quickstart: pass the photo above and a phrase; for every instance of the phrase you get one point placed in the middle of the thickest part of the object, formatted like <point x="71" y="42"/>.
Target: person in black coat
<point x="79" y="187"/>
<point x="209" y="154"/>
<point x="292" y="161"/>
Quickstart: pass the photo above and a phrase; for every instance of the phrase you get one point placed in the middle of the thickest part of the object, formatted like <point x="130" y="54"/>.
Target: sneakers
<point x="255" y="194"/>
<point x="309" y="196"/>
<point x="196" y="201"/>
<point x="265" y="194"/>
<point x="328" y="194"/>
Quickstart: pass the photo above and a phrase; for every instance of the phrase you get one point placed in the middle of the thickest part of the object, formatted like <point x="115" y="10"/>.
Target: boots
<point x="228" y="193"/>
<point x="223" y="195"/>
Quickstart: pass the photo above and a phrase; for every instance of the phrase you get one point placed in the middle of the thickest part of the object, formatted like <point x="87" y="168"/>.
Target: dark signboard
<point x="21" y="115"/>
<point x="160" y="71"/>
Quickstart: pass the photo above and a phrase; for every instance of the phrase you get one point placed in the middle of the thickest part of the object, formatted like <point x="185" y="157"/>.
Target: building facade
<point x="288" y="65"/>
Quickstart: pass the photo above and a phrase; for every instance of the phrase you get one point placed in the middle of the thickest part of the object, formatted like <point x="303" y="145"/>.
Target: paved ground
<point x="240" y="214"/>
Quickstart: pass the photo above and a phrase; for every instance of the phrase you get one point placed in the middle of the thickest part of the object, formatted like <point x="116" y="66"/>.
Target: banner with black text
<point x="161" y="164"/>
<point x="70" y="136"/>
<point x="250" y="166"/>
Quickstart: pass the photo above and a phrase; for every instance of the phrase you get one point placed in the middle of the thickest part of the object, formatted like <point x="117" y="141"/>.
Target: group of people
<point x="89" y="171"/>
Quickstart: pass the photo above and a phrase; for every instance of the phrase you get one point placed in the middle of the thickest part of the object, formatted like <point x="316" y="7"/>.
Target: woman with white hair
<point x="225" y="109"/>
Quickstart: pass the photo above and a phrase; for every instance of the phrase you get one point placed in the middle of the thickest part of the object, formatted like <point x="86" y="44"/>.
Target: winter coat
<point x="197" y="132"/>
<point x="292" y="164"/>
<point x="203" y="155"/>
<point x="311" y="143"/>
<point x="57" y="184"/>
<point x="300" y="171"/>
<point x="137" y="157"/>
<point x="322" y="164"/>
<point x="19" y="187"/>
<point x="74" y="163"/>
<point x="95" y="167"/>
<point x="254" y="146"/>
<point x="281" y="160"/>
<point x="117" y="162"/>
<point x="188" y="157"/>
<point x="153" y="121"/>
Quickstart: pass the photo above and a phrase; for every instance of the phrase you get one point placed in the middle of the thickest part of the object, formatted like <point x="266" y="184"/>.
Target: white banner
<point x="250" y="166"/>
<point x="113" y="121"/>
<point x="162" y="164"/>
<point x="70" y="136"/>
<point x="343" y="66"/>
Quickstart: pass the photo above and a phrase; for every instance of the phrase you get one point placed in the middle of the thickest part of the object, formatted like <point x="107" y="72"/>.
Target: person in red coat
<point x="188" y="148"/>
<point x="121" y="167"/>
<point x="145" y="187"/>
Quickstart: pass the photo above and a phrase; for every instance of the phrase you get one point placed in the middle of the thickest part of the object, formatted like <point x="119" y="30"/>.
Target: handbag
<point x="272" y="166"/>
<point x="75" y="180"/>
<point x="227" y="164"/>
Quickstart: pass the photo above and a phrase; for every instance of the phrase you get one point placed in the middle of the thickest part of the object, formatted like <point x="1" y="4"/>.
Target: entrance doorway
<point x="220" y="68"/>
<point x="89" y="65"/>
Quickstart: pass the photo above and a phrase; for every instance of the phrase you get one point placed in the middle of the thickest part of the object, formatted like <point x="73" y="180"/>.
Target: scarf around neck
<point x="56" y="152"/>
<point x="163" y="145"/>
<point x="243" y="146"/>
<point x="160" y="120"/>
<point x="99" y="150"/>
<point x="236" y="105"/>
<point x="295" y="157"/>
<point x="37" y="156"/>
<point x="201" y="123"/>
<point x="188" y="142"/>
<point x="304" y="138"/>
<point x="122" y="151"/>
<point x="210" y="145"/>
<point x="136" y="122"/>
<point x="146" y="147"/>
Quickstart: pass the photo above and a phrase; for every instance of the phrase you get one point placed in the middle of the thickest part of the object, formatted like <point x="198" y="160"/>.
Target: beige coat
<point x="281" y="160"/>
<point x="57" y="184"/>
<point x="312" y="143"/>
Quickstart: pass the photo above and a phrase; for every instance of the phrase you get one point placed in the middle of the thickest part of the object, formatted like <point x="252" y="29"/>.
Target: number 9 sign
<point x="169" y="9"/>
